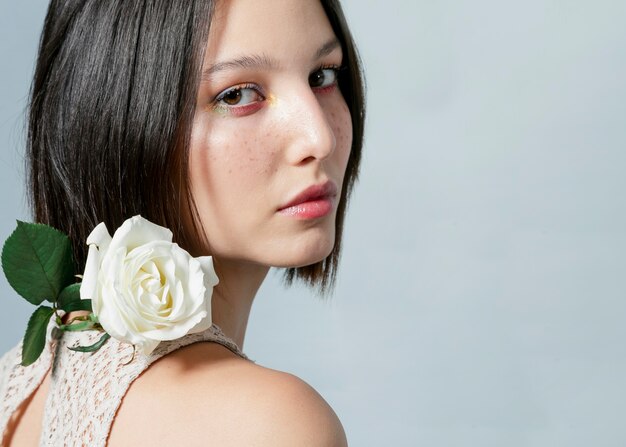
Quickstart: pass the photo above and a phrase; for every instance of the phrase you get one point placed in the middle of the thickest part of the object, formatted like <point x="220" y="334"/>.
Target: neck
<point x="233" y="296"/>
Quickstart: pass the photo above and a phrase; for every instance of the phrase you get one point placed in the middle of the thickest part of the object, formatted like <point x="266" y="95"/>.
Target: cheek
<point x="218" y="150"/>
<point x="341" y="121"/>
<point x="228" y="160"/>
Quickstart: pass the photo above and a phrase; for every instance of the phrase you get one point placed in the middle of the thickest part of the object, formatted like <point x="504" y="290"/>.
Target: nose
<point x="311" y="134"/>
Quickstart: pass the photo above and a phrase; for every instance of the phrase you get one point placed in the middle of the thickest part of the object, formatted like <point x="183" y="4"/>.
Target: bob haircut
<point x="109" y="120"/>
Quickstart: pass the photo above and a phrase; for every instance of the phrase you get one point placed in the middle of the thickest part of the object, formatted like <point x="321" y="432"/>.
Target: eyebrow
<point x="327" y="48"/>
<point x="262" y="61"/>
<point x="246" y="62"/>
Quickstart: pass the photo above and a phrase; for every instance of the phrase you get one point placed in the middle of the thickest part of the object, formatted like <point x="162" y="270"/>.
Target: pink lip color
<point x="314" y="202"/>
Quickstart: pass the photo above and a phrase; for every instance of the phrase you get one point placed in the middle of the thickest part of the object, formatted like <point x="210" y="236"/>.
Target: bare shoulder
<point x="205" y="395"/>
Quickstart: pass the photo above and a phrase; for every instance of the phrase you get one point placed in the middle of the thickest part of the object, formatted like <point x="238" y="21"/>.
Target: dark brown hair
<point x="112" y="102"/>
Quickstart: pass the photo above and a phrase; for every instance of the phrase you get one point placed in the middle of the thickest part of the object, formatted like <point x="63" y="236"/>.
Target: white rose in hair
<point x="145" y="288"/>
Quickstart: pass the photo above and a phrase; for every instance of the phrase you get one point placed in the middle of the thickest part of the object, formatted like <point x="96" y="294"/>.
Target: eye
<point x="324" y="77"/>
<point x="239" y="96"/>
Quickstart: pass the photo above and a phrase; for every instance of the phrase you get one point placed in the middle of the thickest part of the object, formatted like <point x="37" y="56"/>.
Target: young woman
<point x="238" y="125"/>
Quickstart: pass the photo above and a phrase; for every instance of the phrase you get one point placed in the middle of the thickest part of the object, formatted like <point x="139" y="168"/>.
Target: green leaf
<point x="74" y="327"/>
<point x="37" y="261"/>
<point x="35" y="337"/>
<point x="77" y="305"/>
<point x="69" y="295"/>
<point x="97" y="345"/>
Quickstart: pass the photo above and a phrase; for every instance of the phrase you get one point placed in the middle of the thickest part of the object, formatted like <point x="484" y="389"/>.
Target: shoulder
<point x="204" y="392"/>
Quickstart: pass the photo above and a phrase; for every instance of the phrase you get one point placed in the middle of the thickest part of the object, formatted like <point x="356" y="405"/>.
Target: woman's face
<point x="271" y="134"/>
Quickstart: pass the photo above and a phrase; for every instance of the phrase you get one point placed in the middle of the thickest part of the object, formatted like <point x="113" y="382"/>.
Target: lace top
<point x="86" y="389"/>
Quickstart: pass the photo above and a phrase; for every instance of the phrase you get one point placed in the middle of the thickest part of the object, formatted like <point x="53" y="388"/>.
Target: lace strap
<point x="86" y="390"/>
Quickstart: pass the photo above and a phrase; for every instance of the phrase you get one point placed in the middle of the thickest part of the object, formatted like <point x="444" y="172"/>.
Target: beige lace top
<point x="86" y="389"/>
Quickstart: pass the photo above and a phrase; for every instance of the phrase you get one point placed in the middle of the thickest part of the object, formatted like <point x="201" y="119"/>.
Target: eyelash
<point x="242" y="110"/>
<point x="238" y="110"/>
<point x="336" y="69"/>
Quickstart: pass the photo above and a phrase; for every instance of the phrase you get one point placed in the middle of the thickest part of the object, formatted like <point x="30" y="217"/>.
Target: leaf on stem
<point x="77" y="305"/>
<point x="37" y="261"/>
<point x="69" y="295"/>
<point x="35" y="337"/>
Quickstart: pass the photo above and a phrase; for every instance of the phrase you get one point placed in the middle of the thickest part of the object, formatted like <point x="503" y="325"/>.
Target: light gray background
<point x="481" y="300"/>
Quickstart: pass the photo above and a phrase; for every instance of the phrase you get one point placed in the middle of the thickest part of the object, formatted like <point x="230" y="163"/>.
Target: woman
<point x="236" y="124"/>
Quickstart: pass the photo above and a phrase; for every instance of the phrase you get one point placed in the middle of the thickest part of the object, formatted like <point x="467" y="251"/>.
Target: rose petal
<point x="99" y="236"/>
<point x="176" y="330"/>
<point x="204" y="324"/>
<point x="138" y="231"/>
<point x="89" y="284"/>
<point x="210" y="277"/>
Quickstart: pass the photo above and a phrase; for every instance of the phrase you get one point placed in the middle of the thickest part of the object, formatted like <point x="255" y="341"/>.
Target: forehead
<point x="287" y="30"/>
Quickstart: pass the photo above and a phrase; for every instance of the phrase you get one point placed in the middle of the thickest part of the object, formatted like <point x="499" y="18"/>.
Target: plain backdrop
<point x="481" y="299"/>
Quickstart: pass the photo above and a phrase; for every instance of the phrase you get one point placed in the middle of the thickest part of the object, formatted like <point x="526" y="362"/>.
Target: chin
<point x="304" y="252"/>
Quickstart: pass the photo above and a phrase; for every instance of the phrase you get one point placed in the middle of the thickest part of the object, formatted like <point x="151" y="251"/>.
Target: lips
<point x="315" y="201"/>
<point x="316" y="192"/>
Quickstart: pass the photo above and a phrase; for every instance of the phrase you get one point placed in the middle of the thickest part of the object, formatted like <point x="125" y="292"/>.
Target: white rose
<point x="145" y="288"/>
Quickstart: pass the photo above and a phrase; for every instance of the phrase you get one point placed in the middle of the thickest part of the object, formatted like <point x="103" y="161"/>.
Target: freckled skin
<point x="243" y="168"/>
